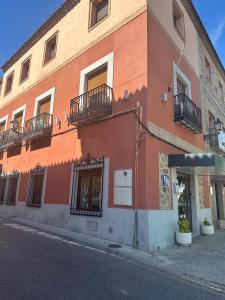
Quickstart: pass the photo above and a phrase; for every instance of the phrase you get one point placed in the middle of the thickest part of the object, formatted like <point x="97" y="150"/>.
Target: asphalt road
<point x="34" y="266"/>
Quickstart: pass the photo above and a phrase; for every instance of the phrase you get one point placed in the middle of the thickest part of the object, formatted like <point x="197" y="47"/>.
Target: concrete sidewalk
<point x="203" y="262"/>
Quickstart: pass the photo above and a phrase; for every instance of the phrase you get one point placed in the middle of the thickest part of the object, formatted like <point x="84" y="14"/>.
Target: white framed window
<point x="19" y="115"/>
<point x="50" y="94"/>
<point x="3" y="123"/>
<point x="106" y="61"/>
<point x="181" y="83"/>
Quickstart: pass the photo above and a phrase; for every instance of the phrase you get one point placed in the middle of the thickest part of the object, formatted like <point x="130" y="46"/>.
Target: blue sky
<point x="19" y="20"/>
<point x="23" y="17"/>
<point x="212" y="13"/>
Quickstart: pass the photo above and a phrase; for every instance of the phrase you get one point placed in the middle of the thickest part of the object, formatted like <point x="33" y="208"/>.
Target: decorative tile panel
<point x="165" y="193"/>
<point x="201" y="191"/>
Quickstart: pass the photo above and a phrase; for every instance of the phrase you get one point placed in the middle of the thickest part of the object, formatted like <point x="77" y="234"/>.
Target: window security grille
<point x="87" y="187"/>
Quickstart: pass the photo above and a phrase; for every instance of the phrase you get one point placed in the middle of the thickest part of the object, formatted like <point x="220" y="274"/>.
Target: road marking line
<point x="53" y="237"/>
<point x="71" y="243"/>
<point x="95" y="249"/>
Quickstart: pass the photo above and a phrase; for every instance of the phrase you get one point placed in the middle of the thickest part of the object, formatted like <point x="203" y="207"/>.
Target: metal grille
<point x="38" y="126"/>
<point x="35" y="187"/>
<point x="10" y="138"/>
<point x="187" y="113"/>
<point x="87" y="187"/>
<point x="91" y="105"/>
<point x="213" y="138"/>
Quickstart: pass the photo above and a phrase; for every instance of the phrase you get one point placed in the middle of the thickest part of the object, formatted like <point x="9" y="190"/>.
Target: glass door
<point x="184" y="197"/>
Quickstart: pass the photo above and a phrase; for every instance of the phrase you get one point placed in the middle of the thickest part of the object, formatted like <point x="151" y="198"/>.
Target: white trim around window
<point x="46" y="94"/>
<point x="106" y="60"/>
<point x="18" y="110"/>
<point x="4" y="119"/>
<point x="179" y="74"/>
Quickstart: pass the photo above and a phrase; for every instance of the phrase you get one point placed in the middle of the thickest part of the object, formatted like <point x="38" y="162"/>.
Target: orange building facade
<point x="96" y="120"/>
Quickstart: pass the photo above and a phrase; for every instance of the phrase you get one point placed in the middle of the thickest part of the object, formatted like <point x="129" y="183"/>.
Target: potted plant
<point x="207" y="228"/>
<point x="184" y="235"/>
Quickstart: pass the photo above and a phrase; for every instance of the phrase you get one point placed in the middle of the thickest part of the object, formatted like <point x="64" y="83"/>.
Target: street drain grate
<point x="114" y="246"/>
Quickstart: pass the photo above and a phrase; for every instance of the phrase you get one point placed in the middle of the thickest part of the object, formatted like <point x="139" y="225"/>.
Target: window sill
<point x="6" y="94"/>
<point x="47" y="62"/>
<point x="22" y="81"/>
<point x="87" y="213"/>
<point x="90" y="28"/>
<point x="33" y="205"/>
<point x="178" y="32"/>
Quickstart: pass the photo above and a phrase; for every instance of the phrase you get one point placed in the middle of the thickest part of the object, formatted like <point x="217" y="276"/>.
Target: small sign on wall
<point x="165" y="179"/>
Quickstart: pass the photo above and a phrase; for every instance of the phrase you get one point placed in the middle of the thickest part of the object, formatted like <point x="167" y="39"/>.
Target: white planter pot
<point x="207" y="229"/>
<point x="183" y="239"/>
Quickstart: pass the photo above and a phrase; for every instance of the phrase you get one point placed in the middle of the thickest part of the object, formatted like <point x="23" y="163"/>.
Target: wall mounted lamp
<point x="218" y="127"/>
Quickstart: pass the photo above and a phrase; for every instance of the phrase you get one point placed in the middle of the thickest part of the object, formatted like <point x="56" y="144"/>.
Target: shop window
<point x="178" y="19"/>
<point x="3" y="181"/>
<point x="35" y="187"/>
<point x="25" y="69"/>
<point x="207" y="69"/>
<point x="50" y="49"/>
<point x="11" y="189"/>
<point x="99" y="9"/>
<point x="221" y="91"/>
<point x="87" y="187"/>
<point x="9" y="83"/>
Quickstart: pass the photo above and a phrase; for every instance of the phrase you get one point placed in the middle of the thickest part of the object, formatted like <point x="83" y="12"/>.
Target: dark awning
<point x="198" y="163"/>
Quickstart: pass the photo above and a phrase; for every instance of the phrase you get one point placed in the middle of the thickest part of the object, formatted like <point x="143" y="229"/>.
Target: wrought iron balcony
<point x="10" y="138"/>
<point x="92" y="105"/>
<point x="187" y="113"/>
<point x="216" y="140"/>
<point x="38" y="127"/>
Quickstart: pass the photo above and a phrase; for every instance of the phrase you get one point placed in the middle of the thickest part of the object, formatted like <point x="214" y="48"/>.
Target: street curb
<point x="125" y="252"/>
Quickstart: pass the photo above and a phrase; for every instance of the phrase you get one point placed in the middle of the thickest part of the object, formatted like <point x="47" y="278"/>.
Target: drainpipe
<point x="138" y="133"/>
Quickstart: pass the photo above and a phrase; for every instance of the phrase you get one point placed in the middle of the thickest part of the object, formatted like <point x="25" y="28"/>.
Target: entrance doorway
<point x="184" y="197"/>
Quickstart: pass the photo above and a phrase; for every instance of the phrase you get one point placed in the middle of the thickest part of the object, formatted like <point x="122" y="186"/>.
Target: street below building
<point x="38" y="265"/>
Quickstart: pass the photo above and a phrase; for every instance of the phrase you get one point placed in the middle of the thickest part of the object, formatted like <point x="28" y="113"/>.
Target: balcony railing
<point x="38" y="127"/>
<point x="187" y="113"/>
<point x="92" y="105"/>
<point x="213" y="139"/>
<point x="217" y="140"/>
<point x="10" y="138"/>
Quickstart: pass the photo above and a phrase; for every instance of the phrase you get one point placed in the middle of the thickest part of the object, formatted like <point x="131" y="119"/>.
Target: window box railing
<point x="38" y="127"/>
<point x="187" y="113"/>
<point x="10" y="138"/>
<point x="92" y="105"/>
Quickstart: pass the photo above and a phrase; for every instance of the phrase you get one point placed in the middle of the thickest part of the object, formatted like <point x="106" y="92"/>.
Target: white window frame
<point x="18" y="110"/>
<point x="4" y="119"/>
<point x="179" y="74"/>
<point x="106" y="60"/>
<point x="46" y="94"/>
